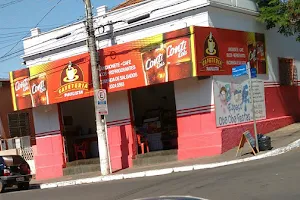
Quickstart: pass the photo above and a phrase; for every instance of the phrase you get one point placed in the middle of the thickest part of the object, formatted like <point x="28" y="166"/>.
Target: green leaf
<point x="282" y="14"/>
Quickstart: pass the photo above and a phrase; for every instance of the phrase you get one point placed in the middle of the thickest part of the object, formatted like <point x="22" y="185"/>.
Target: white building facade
<point x="199" y="134"/>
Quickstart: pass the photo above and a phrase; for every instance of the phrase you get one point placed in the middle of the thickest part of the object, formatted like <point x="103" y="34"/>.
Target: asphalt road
<point x="273" y="178"/>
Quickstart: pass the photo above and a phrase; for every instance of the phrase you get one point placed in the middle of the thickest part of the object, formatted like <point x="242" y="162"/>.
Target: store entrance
<point x="79" y="129"/>
<point x="154" y="112"/>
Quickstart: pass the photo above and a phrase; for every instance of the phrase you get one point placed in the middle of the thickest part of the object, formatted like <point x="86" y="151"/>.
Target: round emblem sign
<point x="101" y="95"/>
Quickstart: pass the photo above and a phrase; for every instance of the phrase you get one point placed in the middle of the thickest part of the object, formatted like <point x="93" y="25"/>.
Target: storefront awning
<point x="184" y="53"/>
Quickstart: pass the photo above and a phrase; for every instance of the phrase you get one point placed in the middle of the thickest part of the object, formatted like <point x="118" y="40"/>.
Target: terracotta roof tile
<point x="127" y="3"/>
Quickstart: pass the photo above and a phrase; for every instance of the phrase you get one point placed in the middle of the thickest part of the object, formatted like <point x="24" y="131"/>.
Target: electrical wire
<point x="13" y="33"/>
<point x="23" y="49"/>
<point x="11" y="40"/>
<point x="4" y="5"/>
<point x="18" y="52"/>
<point x="7" y="46"/>
<point x="10" y="36"/>
<point x="64" y="57"/>
<point x="52" y="26"/>
<point x="29" y="27"/>
<point x="8" y="41"/>
<point x="78" y="33"/>
<point x="35" y="27"/>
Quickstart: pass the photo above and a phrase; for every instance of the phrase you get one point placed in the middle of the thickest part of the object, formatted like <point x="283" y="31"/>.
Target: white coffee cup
<point x="211" y="46"/>
<point x="71" y="72"/>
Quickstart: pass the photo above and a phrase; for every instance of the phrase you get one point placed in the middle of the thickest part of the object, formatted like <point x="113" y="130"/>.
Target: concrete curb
<point x="161" y="172"/>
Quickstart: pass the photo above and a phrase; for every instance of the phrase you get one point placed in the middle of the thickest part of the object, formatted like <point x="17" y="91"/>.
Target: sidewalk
<point x="281" y="142"/>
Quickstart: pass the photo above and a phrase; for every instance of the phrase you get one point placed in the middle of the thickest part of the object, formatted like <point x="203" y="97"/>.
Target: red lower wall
<point x="49" y="151"/>
<point x="120" y="144"/>
<point x="199" y="137"/>
<point x="49" y="157"/>
<point x="197" y="133"/>
<point x="282" y="101"/>
<point x="231" y="136"/>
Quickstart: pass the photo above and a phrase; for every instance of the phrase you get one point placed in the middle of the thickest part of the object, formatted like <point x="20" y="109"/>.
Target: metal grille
<point x="287" y="72"/>
<point x="19" y="124"/>
<point x="26" y="153"/>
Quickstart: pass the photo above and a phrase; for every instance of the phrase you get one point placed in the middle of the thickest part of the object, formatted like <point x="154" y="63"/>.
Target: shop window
<point x="19" y="124"/>
<point x="287" y="72"/>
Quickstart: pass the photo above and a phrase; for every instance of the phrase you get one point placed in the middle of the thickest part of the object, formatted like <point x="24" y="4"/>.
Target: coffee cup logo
<point x="72" y="80"/>
<point x="71" y="73"/>
<point x="211" y="60"/>
<point x="211" y="45"/>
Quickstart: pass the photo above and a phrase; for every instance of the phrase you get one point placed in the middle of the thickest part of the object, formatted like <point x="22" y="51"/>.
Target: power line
<point x="19" y="33"/>
<point x="7" y="54"/>
<point x="27" y="27"/>
<point x="43" y="43"/>
<point x="7" y="46"/>
<point x="8" y="41"/>
<point x="29" y="32"/>
<point x="12" y="40"/>
<point x="4" y="5"/>
<point x="16" y="32"/>
<point x="12" y="55"/>
<point x="10" y="36"/>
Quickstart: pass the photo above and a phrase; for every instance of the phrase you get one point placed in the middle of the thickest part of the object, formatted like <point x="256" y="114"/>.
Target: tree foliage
<point x="284" y="14"/>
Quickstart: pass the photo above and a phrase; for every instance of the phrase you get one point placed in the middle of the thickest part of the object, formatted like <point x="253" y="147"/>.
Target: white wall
<point x="276" y="44"/>
<point x="118" y="106"/>
<point x="281" y="46"/>
<point x="156" y="24"/>
<point x="46" y="119"/>
<point x="192" y="93"/>
<point x="165" y="16"/>
<point x="197" y="19"/>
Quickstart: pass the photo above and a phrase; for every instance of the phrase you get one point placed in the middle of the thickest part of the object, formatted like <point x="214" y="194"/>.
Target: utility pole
<point x="100" y="119"/>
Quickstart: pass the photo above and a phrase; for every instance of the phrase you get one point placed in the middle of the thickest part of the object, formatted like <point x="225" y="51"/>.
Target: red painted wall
<point x="49" y="157"/>
<point x="120" y="144"/>
<point x="197" y="133"/>
<point x="282" y="101"/>
<point x="199" y="137"/>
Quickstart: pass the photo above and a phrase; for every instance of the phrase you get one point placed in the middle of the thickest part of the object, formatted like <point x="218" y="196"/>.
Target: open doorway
<point x="154" y="116"/>
<point x="79" y="129"/>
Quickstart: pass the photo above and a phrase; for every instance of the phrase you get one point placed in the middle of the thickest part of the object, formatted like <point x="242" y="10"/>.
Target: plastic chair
<point x="142" y="144"/>
<point x="82" y="148"/>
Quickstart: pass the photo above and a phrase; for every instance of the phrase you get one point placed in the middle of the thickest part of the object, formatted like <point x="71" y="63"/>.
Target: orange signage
<point x="219" y="50"/>
<point x="153" y="60"/>
<point x="54" y="82"/>
<point x="184" y="53"/>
